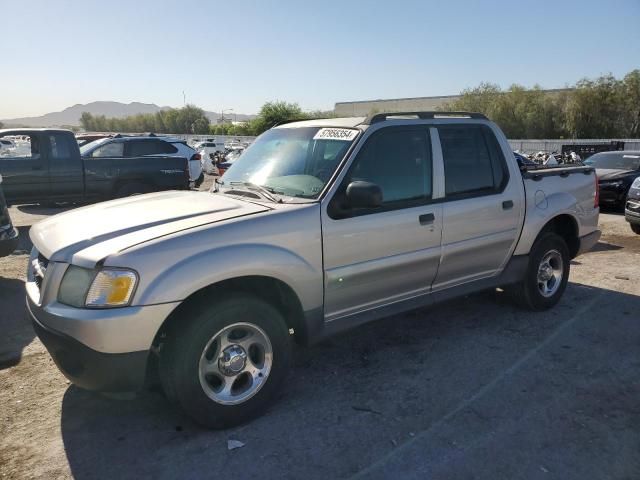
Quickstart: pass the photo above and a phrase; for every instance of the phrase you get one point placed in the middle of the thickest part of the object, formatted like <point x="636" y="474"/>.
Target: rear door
<point x="65" y="167"/>
<point x="376" y="257"/>
<point x="483" y="207"/>
<point x="25" y="170"/>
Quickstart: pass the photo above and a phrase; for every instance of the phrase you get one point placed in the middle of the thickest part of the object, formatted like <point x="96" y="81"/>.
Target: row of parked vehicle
<point x="618" y="173"/>
<point x="50" y="166"/>
<point x="217" y="157"/>
<point x="619" y="182"/>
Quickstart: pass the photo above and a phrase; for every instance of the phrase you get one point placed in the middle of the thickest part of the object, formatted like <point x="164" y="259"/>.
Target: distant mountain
<point x="71" y="116"/>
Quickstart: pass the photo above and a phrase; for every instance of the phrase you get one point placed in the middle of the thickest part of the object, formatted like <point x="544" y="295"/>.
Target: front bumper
<point x="86" y="368"/>
<point x="8" y="241"/>
<point x="588" y="241"/>
<point x="632" y="211"/>
<point x="97" y="349"/>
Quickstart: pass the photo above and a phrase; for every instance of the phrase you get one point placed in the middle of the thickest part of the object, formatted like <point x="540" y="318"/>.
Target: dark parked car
<point x="48" y="167"/>
<point x="84" y="138"/>
<point x="616" y="172"/>
<point x="632" y="208"/>
<point x="8" y="234"/>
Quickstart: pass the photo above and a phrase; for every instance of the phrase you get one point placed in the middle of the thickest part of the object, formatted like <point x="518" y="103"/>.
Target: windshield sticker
<point x="344" y="134"/>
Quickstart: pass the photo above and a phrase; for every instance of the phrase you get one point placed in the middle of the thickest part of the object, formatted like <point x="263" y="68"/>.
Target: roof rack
<point x="381" y="117"/>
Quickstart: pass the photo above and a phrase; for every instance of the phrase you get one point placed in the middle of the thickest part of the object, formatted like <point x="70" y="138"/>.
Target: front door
<point x="65" y="168"/>
<point x="379" y="256"/>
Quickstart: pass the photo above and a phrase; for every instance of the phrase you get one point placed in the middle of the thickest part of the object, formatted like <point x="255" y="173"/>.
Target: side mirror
<point x="364" y="195"/>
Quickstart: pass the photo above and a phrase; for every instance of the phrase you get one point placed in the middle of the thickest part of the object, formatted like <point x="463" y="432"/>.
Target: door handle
<point x="507" y="205"/>
<point x="36" y="167"/>
<point x="426" y="219"/>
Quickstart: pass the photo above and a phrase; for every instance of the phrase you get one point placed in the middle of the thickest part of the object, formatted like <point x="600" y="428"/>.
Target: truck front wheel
<point x="226" y="363"/>
<point x="547" y="274"/>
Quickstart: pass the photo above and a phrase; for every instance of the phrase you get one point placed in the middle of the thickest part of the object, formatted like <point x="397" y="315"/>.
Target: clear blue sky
<point x="239" y="54"/>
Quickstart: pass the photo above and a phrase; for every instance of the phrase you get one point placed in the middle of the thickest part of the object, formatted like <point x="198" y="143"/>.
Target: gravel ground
<point x="470" y="389"/>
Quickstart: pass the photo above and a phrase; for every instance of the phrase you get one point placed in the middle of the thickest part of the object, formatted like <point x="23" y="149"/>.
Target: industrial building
<point x="415" y="104"/>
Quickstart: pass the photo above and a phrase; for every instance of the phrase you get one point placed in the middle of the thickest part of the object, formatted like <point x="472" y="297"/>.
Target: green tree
<point x="274" y="113"/>
<point x="631" y="102"/>
<point x="189" y="119"/>
<point x="596" y="108"/>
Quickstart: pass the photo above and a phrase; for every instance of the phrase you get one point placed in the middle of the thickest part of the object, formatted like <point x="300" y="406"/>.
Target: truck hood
<point x="614" y="173"/>
<point x="85" y="236"/>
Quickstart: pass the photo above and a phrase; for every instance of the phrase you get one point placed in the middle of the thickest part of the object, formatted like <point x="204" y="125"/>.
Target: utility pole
<point x="184" y="99"/>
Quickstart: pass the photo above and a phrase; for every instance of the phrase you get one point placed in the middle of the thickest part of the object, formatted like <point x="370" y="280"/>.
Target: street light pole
<point x="222" y="113"/>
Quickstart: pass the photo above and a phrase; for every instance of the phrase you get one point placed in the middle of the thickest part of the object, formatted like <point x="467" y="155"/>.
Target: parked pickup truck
<point x="8" y="234"/>
<point x="319" y="226"/>
<point x="47" y="167"/>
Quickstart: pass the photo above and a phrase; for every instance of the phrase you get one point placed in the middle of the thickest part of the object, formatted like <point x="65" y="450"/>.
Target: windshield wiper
<point x="265" y="191"/>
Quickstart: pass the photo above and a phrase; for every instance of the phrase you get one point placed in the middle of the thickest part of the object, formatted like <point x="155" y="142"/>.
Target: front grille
<point x="39" y="267"/>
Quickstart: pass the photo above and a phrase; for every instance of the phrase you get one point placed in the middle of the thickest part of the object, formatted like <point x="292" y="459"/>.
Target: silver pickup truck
<point x="318" y="227"/>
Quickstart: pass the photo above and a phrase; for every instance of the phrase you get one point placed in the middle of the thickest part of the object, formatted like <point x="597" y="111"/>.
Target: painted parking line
<point x="517" y="365"/>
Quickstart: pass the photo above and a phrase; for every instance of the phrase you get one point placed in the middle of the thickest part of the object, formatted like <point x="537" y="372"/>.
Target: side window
<point x="473" y="162"/>
<point x="149" y="147"/>
<point x="59" y="147"/>
<point x="26" y="147"/>
<point x="399" y="161"/>
<point x="165" y="147"/>
<point x="111" y="149"/>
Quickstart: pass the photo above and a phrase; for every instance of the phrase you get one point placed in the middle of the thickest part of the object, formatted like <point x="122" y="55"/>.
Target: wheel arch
<point x="274" y="291"/>
<point x="566" y="226"/>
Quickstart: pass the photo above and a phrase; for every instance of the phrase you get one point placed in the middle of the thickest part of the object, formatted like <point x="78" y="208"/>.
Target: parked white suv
<point x="206" y="150"/>
<point x="320" y="226"/>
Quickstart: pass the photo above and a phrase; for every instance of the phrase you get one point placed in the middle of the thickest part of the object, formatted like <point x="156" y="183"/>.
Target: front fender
<point x="178" y="281"/>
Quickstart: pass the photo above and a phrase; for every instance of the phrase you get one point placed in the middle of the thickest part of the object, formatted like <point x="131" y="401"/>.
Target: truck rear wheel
<point x="225" y="365"/>
<point x="547" y="274"/>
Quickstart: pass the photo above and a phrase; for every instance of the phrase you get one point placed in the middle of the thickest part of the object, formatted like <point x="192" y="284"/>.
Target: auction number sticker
<point x="345" y="134"/>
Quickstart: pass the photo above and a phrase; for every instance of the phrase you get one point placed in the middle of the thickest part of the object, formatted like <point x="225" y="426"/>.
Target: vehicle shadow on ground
<point x="356" y="397"/>
<point x="37" y="209"/>
<point x="612" y="210"/>
<point x="24" y="242"/>
<point x="605" y="247"/>
<point x="16" y="331"/>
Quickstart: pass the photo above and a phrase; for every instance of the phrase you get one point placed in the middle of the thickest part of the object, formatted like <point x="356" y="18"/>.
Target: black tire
<point x="199" y="181"/>
<point x="635" y="227"/>
<point x="527" y="293"/>
<point x="180" y="356"/>
<point x="130" y="189"/>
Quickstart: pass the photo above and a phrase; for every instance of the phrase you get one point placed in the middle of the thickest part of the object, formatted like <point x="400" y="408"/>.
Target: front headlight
<point x="636" y="183"/>
<point x="110" y="287"/>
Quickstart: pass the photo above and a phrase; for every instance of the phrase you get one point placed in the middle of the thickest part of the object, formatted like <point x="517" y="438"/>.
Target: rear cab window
<point x="23" y="148"/>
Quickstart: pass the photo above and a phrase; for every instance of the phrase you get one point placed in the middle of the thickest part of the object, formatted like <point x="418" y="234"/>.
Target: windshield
<point x="296" y="162"/>
<point x="615" y="161"/>
<point x="87" y="147"/>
